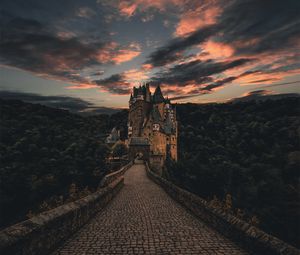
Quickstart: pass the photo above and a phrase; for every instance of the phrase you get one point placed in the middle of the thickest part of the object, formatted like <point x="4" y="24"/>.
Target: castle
<point x="152" y="125"/>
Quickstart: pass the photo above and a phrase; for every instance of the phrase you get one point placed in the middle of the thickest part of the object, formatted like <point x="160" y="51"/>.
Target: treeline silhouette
<point x="248" y="152"/>
<point x="48" y="155"/>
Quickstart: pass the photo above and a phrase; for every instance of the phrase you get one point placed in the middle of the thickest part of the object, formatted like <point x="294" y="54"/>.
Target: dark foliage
<point x="44" y="150"/>
<point x="249" y="150"/>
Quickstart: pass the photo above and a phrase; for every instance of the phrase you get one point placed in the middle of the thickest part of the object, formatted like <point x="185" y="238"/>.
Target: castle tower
<point x="153" y="118"/>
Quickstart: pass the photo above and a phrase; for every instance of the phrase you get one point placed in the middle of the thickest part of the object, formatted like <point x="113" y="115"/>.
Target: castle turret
<point x="148" y="93"/>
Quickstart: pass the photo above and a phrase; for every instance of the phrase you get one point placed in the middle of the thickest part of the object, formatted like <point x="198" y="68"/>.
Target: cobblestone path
<point x="143" y="219"/>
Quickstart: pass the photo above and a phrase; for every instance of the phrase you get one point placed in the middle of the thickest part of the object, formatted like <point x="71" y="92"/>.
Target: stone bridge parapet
<point x="248" y="236"/>
<point x="43" y="233"/>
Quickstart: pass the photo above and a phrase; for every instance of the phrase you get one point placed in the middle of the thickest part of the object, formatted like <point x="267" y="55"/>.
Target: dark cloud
<point x="115" y="84"/>
<point x="29" y="45"/>
<point x="271" y="25"/>
<point x="222" y="82"/>
<point x="196" y="72"/>
<point x="53" y="39"/>
<point x="251" y="26"/>
<point x="172" y="51"/>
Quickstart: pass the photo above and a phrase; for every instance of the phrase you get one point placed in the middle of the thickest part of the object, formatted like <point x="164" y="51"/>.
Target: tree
<point x="119" y="150"/>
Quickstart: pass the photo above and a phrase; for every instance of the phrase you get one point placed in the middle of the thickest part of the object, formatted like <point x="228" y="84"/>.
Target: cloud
<point x="130" y="7"/>
<point x="32" y="46"/>
<point x="196" y="72"/>
<point x="29" y="45"/>
<point x="217" y="50"/>
<point x="122" y="83"/>
<point x="115" y="84"/>
<point x="194" y="19"/>
<point x="135" y="75"/>
<point x="240" y="30"/>
<point x="174" y="49"/>
<point x="205" y="40"/>
<point x="114" y="53"/>
<point x="270" y="25"/>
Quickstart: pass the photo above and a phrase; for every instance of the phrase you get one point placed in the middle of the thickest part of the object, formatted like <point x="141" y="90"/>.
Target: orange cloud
<point x="217" y="50"/>
<point x="267" y="69"/>
<point x="112" y="53"/>
<point x="147" y="67"/>
<point x="128" y="8"/>
<point x="82" y="86"/>
<point x="193" y="20"/>
<point x="125" y="55"/>
<point x="135" y="75"/>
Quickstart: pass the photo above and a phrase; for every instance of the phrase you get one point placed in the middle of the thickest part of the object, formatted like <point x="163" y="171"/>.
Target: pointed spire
<point x="158" y="96"/>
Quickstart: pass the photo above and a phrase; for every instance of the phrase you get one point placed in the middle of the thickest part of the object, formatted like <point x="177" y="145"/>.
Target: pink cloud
<point x="114" y="53"/>
<point x="217" y="50"/>
<point x="135" y="75"/>
<point x="82" y="86"/>
<point x="128" y="8"/>
<point x="193" y="20"/>
<point x="124" y="56"/>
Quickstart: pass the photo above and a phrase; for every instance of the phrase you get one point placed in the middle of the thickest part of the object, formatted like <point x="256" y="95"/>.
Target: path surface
<point x="143" y="219"/>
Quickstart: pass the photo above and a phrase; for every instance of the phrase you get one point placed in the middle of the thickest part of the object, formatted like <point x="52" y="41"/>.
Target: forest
<point x="48" y="155"/>
<point x="248" y="151"/>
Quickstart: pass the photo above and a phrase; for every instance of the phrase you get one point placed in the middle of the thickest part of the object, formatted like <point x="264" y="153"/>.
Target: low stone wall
<point x="44" y="232"/>
<point x="250" y="237"/>
<point x="112" y="176"/>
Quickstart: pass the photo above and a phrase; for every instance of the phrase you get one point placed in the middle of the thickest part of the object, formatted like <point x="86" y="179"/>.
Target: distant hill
<point x="72" y="104"/>
<point x="261" y="95"/>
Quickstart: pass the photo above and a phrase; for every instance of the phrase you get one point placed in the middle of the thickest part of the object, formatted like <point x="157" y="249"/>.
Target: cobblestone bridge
<point x="143" y="219"/>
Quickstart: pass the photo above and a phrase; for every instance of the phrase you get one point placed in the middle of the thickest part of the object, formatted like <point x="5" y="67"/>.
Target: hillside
<point x="44" y="150"/>
<point x="249" y="150"/>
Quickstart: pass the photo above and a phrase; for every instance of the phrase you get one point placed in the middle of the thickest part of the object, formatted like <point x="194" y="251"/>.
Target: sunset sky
<point x="94" y="51"/>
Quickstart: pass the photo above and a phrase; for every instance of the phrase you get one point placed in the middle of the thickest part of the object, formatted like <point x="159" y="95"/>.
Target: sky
<point x="94" y="51"/>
